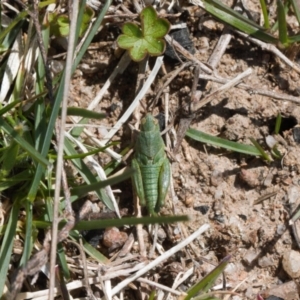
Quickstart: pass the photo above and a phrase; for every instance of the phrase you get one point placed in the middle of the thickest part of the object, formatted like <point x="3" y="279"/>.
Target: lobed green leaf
<point x="145" y="40"/>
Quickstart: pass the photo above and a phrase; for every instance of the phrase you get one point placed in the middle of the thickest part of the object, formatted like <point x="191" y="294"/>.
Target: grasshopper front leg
<point x="138" y="182"/>
<point x="163" y="183"/>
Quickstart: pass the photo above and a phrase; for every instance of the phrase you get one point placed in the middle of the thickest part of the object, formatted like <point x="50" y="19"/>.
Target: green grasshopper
<point x="151" y="179"/>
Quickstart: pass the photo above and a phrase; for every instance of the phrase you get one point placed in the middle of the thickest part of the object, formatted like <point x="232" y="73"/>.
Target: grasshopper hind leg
<point x="138" y="182"/>
<point x="163" y="183"/>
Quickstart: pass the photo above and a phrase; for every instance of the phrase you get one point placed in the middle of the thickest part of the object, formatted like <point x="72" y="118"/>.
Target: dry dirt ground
<point x="212" y="185"/>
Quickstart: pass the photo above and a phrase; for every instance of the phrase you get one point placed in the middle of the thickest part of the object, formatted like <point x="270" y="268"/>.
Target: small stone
<point x="250" y="256"/>
<point x="250" y="177"/>
<point x="265" y="262"/>
<point x="291" y="263"/>
<point x="281" y="228"/>
<point x="236" y="298"/>
<point x="216" y="178"/>
<point x="296" y="134"/>
<point x="288" y="290"/>
<point x="189" y="201"/>
<point x="202" y="208"/>
<point x="161" y="234"/>
<point x="113" y="238"/>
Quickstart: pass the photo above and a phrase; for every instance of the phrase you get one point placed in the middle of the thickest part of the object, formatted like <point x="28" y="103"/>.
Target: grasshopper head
<point x="149" y="123"/>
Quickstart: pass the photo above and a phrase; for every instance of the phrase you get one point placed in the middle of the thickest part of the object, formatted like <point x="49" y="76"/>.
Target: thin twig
<point x="188" y="55"/>
<point x="59" y="164"/>
<point x="220" y="48"/>
<point x="160" y="286"/>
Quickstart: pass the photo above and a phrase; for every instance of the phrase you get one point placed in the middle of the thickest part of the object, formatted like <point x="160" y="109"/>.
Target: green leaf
<point x="146" y="40"/>
<point x="60" y="24"/>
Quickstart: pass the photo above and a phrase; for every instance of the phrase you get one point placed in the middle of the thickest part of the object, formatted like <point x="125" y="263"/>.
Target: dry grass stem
<point x="252" y="90"/>
<point x="222" y="89"/>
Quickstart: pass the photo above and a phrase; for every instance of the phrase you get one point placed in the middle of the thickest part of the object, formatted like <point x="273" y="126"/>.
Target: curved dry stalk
<point x="136" y="101"/>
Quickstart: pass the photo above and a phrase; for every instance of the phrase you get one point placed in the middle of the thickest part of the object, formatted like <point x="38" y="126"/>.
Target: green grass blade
<point x="278" y="123"/>
<point x="40" y="121"/>
<point x="85" y="113"/>
<point x="207" y="282"/>
<point x="98" y="224"/>
<point x="58" y="99"/>
<point x="219" y="142"/>
<point x="63" y="261"/>
<point x="91" y="34"/>
<point x="77" y="130"/>
<point x="82" y="9"/>
<point x="11" y="36"/>
<point x="23" y="143"/>
<point x="265" y="13"/>
<point x="231" y="17"/>
<point x="83" y="155"/>
<point x="8" y="107"/>
<point x="152" y="295"/>
<point x="43" y="129"/>
<point x="9" y="159"/>
<point x="286" y="9"/>
<point x="10" y="28"/>
<point x="282" y="26"/>
<point x="28" y="245"/>
<point x="294" y="39"/>
<point x="263" y="154"/>
<point x="6" y="183"/>
<point x="20" y="17"/>
<point x="7" y="244"/>
<point x="296" y="7"/>
<point x="206" y="297"/>
<point x="104" y="223"/>
<point x="88" y="177"/>
<point x="88" y="248"/>
<point x="111" y="166"/>
<point x="83" y="190"/>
